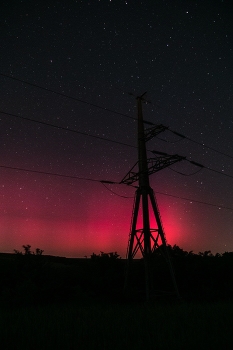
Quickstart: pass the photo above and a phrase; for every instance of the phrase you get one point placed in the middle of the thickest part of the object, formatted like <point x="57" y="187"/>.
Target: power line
<point x="108" y="140"/>
<point x="118" y="142"/>
<point x="196" y="164"/>
<point x="116" y="194"/>
<point x="56" y="174"/>
<point x="189" y="138"/>
<point x="219" y="172"/>
<point x="192" y="140"/>
<point x="103" y="182"/>
<point x="104" y="139"/>
<point x="194" y="200"/>
<point x="112" y="111"/>
<point x="67" y="129"/>
<point x="169" y="141"/>
<point x="198" y="143"/>
<point x="179" y="172"/>
<point x="72" y="98"/>
<point x="205" y="167"/>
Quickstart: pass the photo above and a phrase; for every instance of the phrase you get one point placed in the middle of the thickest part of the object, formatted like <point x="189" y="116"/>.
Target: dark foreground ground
<point x="59" y="303"/>
<point x="118" y="326"/>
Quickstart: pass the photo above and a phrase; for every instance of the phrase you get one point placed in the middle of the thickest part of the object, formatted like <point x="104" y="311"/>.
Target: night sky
<point x="105" y="53"/>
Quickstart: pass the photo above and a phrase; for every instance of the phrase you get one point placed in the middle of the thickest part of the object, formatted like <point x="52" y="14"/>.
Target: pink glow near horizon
<point x="100" y="230"/>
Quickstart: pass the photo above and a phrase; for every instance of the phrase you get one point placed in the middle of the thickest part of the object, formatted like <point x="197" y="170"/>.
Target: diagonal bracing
<point x="146" y="238"/>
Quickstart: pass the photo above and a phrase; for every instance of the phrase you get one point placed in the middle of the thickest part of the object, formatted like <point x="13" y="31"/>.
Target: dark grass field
<point x="118" y="326"/>
<point x="59" y="303"/>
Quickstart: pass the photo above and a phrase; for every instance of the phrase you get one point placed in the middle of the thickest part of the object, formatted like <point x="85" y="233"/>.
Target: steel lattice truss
<point x="154" y="131"/>
<point x="154" y="165"/>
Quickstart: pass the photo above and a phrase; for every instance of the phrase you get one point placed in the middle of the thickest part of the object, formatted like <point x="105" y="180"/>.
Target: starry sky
<point x="85" y="62"/>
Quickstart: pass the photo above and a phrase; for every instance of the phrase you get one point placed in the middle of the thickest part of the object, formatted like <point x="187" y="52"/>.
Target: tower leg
<point x="134" y="224"/>
<point x="130" y="251"/>
<point x="162" y="235"/>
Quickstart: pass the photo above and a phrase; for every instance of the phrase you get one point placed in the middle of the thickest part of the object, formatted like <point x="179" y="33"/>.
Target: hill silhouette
<point x="33" y="278"/>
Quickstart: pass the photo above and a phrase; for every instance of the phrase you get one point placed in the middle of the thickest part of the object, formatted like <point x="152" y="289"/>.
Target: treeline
<point x="28" y="277"/>
<point x="31" y="278"/>
<point x="202" y="276"/>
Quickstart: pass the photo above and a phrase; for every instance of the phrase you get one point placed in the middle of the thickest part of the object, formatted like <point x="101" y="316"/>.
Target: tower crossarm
<point x="154" y="131"/>
<point x="159" y="163"/>
<point x="131" y="176"/>
<point x="154" y="165"/>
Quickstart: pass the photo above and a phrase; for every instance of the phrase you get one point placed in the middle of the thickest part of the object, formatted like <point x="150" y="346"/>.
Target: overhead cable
<point x="56" y="174"/>
<point x="112" y="111"/>
<point x="179" y="172"/>
<point x="116" y="194"/>
<point x="198" y="143"/>
<point x="205" y="167"/>
<point x="72" y="98"/>
<point x="194" y="163"/>
<point x="194" y="200"/>
<point x="109" y="182"/>
<point x="66" y="129"/>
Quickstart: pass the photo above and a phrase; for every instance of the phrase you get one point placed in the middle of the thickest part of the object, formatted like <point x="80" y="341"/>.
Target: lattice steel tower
<point x="147" y="239"/>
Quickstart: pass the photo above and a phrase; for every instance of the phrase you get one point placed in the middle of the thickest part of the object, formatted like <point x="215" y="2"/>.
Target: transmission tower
<point x="147" y="239"/>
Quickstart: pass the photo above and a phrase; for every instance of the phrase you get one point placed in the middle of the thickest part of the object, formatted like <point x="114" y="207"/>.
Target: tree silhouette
<point x="106" y="256"/>
<point x="27" y="251"/>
